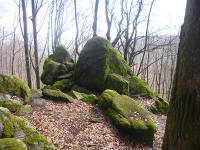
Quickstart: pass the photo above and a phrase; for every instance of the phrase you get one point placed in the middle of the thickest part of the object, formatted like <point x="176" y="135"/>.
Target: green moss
<point x="57" y="95"/>
<point x="14" y="86"/>
<point x="18" y="128"/>
<point x="60" y="55"/>
<point x="51" y="70"/>
<point x="117" y="83"/>
<point x="80" y="89"/>
<point x="32" y="138"/>
<point x="12" y="105"/>
<point x="8" y="123"/>
<point x="65" y="76"/>
<point x="139" y="87"/>
<point x="12" y="144"/>
<point x="63" y="85"/>
<point x="160" y="106"/>
<point x="97" y="60"/>
<point x="96" y="120"/>
<point x="25" y="109"/>
<point x="128" y="115"/>
<point x="91" y="98"/>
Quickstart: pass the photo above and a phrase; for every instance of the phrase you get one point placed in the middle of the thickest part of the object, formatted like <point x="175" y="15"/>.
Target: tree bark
<point x="183" y="120"/>
<point x="37" y="73"/>
<point x="25" y="36"/>
<point x="94" y="26"/>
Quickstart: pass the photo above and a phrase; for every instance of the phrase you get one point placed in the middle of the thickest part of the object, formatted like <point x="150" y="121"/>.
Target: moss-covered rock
<point x="13" y="105"/>
<point x="139" y="87"/>
<point x="96" y="61"/>
<point x="14" y="86"/>
<point x="15" y="127"/>
<point x="117" y="83"/>
<point x="80" y="89"/>
<point x="66" y="76"/>
<point x="12" y="144"/>
<point x="25" y="109"/>
<point x="96" y="120"/>
<point x="57" y="95"/>
<point x="128" y="115"/>
<point x="51" y="70"/>
<point x="160" y="106"/>
<point x="91" y="98"/>
<point x="61" y="55"/>
<point x="63" y="85"/>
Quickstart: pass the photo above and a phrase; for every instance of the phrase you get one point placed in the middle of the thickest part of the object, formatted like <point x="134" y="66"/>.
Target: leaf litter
<point x="68" y="126"/>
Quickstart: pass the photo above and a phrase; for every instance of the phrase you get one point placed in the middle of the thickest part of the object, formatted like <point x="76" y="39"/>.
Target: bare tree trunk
<point x="36" y="68"/>
<point x="94" y="26"/>
<point x="183" y="121"/>
<point x="25" y="36"/>
<point x="77" y="30"/>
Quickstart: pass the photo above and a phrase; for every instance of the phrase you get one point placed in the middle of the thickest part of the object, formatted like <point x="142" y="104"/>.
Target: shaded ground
<point x="68" y="126"/>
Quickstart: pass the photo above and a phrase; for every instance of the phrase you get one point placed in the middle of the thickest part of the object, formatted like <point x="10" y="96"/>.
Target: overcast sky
<point x="166" y="14"/>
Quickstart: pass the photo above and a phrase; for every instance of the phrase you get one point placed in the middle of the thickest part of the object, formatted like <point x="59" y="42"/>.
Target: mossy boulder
<point x="14" y="86"/>
<point x="57" y="95"/>
<point x="80" y="89"/>
<point x="51" y="70"/>
<point x="61" y="55"/>
<point x="160" y="106"/>
<point x="15" y="127"/>
<point x="97" y="60"/>
<point x="91" y="98"/>
<point x="128" y="115"/>
<point x="63" y="85"/>
<point x="12" y="144"/>
<point x="13" y="104"/>
<point x="117" y="83"/>
<point x="139" y="87"/>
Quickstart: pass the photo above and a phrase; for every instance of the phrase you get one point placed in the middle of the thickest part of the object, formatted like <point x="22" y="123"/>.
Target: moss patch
<point x="63" y="85"/>
<point x="12" y="144"/>
<point x="57" y="95"/>
<point x="60" y="55"/>
<point x="160" y="106"/>
<point x="128" y="115"/>
<point x="117" y="83"/>
<point x="14" y="86"/>
<point x="96" y="120"/>
<point x="12" y="105"/>
<point x="91" y="98"/>
<point x="138" y="86"/>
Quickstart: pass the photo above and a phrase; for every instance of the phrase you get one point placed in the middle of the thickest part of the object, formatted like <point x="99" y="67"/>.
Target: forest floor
<point x="68" y="126"/>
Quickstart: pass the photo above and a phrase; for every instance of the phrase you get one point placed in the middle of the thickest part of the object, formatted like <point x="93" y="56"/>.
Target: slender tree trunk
<point x="25" y="36"/>
<point x="77" y="30"/>
<point x="183" y="120"/>
<point x="94" y="26"/>
<point x="37" y="71"/>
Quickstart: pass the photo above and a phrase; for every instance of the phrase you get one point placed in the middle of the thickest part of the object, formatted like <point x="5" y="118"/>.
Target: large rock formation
<point x="128" y="115"/>
<point x="97" y="60"/>
<point x="57" y="67"/>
